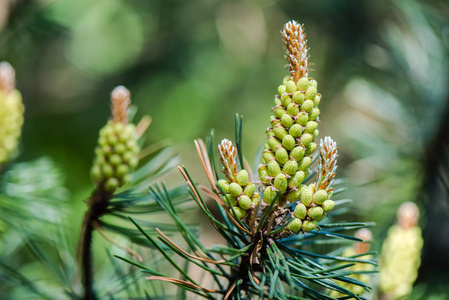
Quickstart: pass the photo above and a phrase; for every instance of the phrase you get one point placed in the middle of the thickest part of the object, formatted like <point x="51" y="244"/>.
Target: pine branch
<point x="116" y="157"/>
<point x="121" y="191"/>
<point x="265" y="233"/>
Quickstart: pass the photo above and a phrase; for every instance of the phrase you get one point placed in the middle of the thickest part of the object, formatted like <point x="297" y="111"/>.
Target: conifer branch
<point x="111" y="170"/>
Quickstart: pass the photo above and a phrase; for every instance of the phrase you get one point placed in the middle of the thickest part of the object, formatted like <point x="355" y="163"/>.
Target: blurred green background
<point x="381" y="66"/>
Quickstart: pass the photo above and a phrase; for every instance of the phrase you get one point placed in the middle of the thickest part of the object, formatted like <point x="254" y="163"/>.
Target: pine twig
<point x="97" y="208"/>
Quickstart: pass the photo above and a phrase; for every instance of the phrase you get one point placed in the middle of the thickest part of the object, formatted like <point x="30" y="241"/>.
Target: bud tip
<point x="120" y="101"/>
<point x="7" y="77"/>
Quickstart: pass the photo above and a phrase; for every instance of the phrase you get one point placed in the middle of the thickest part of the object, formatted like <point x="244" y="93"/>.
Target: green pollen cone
<point x="224" y="185"/>
<point x="286" y="120"/>
<point x="239" y="212"/>
<point x="328" y="205"/>
<point x="319" y="197"/>
<point x="306" y="196"/>
<point x="309" y="225"/>
<point x="249" y="189"/>
<point x="292" y="196"/>
<point x="230" y="200"/>
<point x="242" y="178"/>
<point x="298" y="97"/>
<point x="290" y="167"/>
<point x="281" y="155"/>
<point x="235" y="189"/>
<point x="300" y="211"/>
<point x="255" y="199"/>
<point x="315" y="212"/>
<point x="295" y="225"/>
<point x="269" y="194"/>
<point x="273" y="168"/>
<point x="295" y="130"/>
<point x="303" y="84"/>
<point x="244" y="202"/>
<point x="296" y="180"/>
<point x="280" y="183"/>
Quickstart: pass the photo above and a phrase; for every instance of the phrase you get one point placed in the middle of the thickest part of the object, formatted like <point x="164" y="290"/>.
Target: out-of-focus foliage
<point x="30" y="187"/>
<point x="383" y="74"/>
<point x="94" y="28"/>
<point x="33" y="219"/>
<point x="399" y="104"/>
<point x="32" y="205"/>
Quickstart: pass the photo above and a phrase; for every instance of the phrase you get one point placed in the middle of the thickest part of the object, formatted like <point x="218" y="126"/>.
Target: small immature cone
<point x="401" y="254"/>
<point x="117" y="150"/>
<point x="11" y="113"/>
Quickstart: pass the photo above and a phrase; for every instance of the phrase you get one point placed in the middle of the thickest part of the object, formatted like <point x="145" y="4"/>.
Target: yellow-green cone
<point x="400" y="257"/>
<point x="11" y="113"/>
<point x="117" y="150"/>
